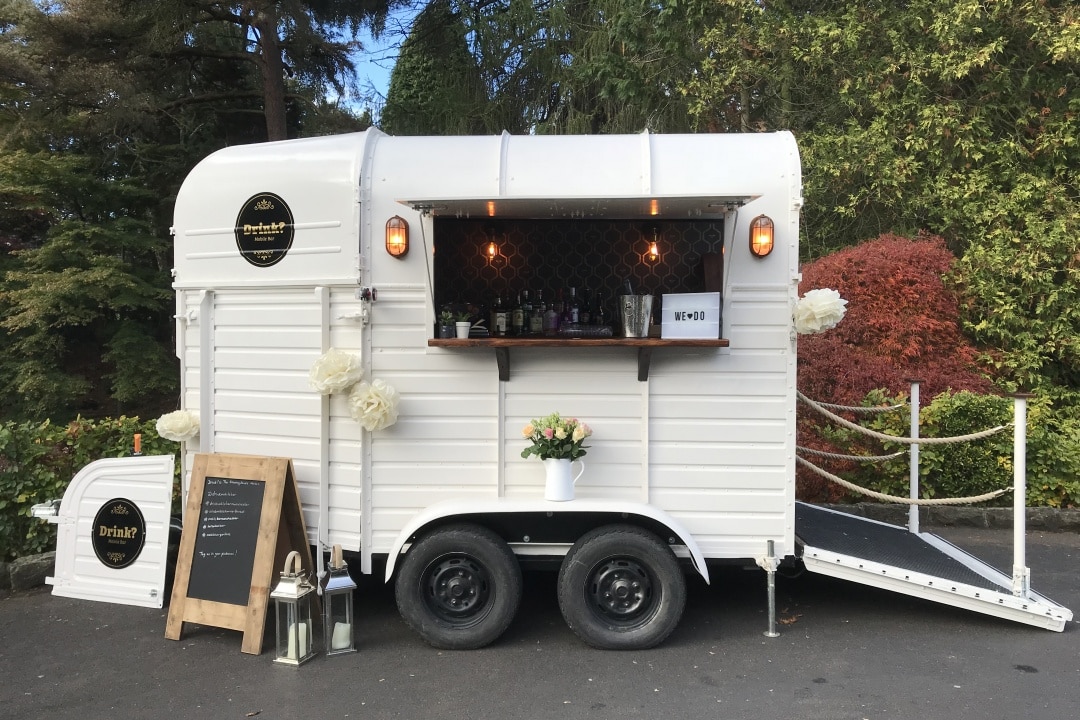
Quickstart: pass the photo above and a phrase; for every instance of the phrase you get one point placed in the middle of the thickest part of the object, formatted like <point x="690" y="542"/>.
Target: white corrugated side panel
<point x="596" y="385"/>
<point x="444" y="444"/>
<point x="345" y="458"/>
<point x="719" y="446"/>
<point x="266" y="340"/>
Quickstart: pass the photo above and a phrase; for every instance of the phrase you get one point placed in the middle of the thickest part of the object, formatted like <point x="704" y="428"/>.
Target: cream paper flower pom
<point x="335" y="371"/>
<point x="374" y="405"/>
<point x="178" y="426"/>
<point x="818" y="311"/>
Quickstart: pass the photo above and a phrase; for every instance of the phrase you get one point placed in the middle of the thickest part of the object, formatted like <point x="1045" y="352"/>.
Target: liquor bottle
<point x="565" y="318"/>
<point x="585" y="313"/>
<point x="599" y="315"/>
<point x="499" y="319"/>
<point x="526" y="313"/>
<point x="536" y="320"/>
<point x="551" y="320"/>
<point x="517" y="318"/>
<point x="559" y="305"/>
<point x="575" y="309"/>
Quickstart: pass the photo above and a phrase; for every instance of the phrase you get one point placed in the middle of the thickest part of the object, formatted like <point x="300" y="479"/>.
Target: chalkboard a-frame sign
<point x="241" y="520"/>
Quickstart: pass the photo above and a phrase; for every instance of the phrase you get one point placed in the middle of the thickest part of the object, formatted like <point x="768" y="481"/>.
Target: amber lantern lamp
<point x="761" y="236"/>
<point x="397" y="236"/>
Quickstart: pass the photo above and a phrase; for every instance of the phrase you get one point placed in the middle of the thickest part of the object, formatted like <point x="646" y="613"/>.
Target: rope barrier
<point x="895" y="498"/>
<point x="905" y="440"/>
<point x="863" y="409"/>
<point x="856" y="458"/>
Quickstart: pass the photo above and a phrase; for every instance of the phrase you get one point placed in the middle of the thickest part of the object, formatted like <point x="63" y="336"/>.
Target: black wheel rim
<point x="457" y="589"/>
<point x="622" y="592"/>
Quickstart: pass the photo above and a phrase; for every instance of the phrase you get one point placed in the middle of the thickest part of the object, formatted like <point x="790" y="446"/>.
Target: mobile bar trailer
<point x="287" y="251"/>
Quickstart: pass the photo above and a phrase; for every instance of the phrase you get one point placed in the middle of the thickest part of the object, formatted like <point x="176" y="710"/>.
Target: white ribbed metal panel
<point x="146" y="482"/>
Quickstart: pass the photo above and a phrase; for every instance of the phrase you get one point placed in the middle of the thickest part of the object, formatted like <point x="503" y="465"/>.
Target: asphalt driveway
<point x="845" y="651"/>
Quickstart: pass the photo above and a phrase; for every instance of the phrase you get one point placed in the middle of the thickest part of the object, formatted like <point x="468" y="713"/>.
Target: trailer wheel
<point x="621" y="588"/>
<point x="459" y="587"/>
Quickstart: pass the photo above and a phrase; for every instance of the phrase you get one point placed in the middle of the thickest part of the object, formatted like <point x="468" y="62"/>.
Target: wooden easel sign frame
<point x="241" y="520"/>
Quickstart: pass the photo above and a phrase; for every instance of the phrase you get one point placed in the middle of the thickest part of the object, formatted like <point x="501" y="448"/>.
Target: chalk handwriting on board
<point x="225" y="544"/>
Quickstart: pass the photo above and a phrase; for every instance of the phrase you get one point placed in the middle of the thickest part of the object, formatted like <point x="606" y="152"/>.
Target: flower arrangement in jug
<point x="555" y="437"/>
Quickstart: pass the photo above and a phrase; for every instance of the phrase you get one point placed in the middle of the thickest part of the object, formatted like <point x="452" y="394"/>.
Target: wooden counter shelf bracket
<point x="644" y="347"/>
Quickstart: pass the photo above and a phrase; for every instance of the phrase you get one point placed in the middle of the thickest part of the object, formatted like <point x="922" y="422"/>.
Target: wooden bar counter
<point x="644" y="346"/>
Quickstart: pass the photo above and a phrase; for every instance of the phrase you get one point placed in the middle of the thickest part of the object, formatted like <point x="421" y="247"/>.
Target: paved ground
<point x="845" y="652"/>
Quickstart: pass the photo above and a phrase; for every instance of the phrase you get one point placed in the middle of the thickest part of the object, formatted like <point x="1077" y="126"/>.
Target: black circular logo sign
<point x="119" y="533"/>
<point x="264" y="230"/>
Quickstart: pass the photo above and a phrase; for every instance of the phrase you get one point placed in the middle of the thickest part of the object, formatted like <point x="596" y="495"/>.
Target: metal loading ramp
<point x="918" y="564"/>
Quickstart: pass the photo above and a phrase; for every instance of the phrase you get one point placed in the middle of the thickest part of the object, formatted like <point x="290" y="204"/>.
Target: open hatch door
<point x="113" y="532"/>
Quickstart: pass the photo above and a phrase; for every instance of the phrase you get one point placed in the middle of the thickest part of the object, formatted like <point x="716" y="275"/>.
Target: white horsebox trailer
<point x="282" y="254"/>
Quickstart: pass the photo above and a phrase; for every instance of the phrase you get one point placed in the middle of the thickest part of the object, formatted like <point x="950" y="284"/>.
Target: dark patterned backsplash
<point x="552" y="255"/>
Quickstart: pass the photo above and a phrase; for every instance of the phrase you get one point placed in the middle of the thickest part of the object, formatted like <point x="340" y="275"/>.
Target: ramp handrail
<point x="853" y="458"/>
<point x="895" y="438"/>
<point x="896" y="498"/>
<point x="1021" y="577"/>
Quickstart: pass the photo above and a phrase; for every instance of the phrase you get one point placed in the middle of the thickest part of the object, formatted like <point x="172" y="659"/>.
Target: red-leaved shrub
<point x="902" y="323"/>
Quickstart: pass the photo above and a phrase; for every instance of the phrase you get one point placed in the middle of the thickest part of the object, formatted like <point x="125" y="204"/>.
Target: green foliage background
<point x="981" y="466"/>
<point x="955" y="118"/>
<point x="38" y="460"/>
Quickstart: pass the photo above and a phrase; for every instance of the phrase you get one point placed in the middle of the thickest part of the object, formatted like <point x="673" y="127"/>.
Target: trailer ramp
<point x="918" y="564"/>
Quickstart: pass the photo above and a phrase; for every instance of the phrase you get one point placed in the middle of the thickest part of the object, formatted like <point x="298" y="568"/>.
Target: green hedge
<point x="38" y="460"/>
<point x="974" y="468"/>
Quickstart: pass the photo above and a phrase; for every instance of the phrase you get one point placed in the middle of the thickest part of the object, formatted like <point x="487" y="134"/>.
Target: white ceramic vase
<point x="559" y="485"/>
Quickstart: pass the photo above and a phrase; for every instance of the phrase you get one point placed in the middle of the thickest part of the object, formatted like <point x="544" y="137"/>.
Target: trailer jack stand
<point x="769" y="563"/>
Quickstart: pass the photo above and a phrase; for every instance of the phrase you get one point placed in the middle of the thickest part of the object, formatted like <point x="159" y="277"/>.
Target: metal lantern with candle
<point x="292" y="602"/>
<point x="338" y="606"/>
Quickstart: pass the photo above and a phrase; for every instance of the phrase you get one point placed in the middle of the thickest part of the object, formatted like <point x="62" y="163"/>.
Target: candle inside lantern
<point x="298" y="632"/>
<point x="342" y="636"/>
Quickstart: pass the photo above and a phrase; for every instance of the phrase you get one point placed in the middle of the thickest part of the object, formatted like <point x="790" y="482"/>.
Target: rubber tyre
<point x="621" y="588"/>
<point x="459" y="587"/>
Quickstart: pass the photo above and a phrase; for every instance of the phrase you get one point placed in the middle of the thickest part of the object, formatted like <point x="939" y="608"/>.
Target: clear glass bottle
<point x="536" y="320"/>
<point x="599" y="314"/>
<point x="526" y="313"/>
<point x="517" y="318"/>
<point x="499" y="318"/>
<point x="551" y="320"/>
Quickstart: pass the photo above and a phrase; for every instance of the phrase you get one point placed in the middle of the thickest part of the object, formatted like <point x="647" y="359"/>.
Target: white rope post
<point x="1021" y="577"/>
<point x="913" y="462"/>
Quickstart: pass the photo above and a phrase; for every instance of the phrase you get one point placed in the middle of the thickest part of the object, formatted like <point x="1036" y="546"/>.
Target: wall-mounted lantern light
<point x="397" y="236"/>
<point x="761" y="236"/>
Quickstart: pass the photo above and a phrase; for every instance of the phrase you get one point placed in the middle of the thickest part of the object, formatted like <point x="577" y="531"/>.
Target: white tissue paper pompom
<point x="178" y="426"/>
<point x="374" y="405"/>
<point x="335" y="371"/>
<point x="818" y="311"/>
